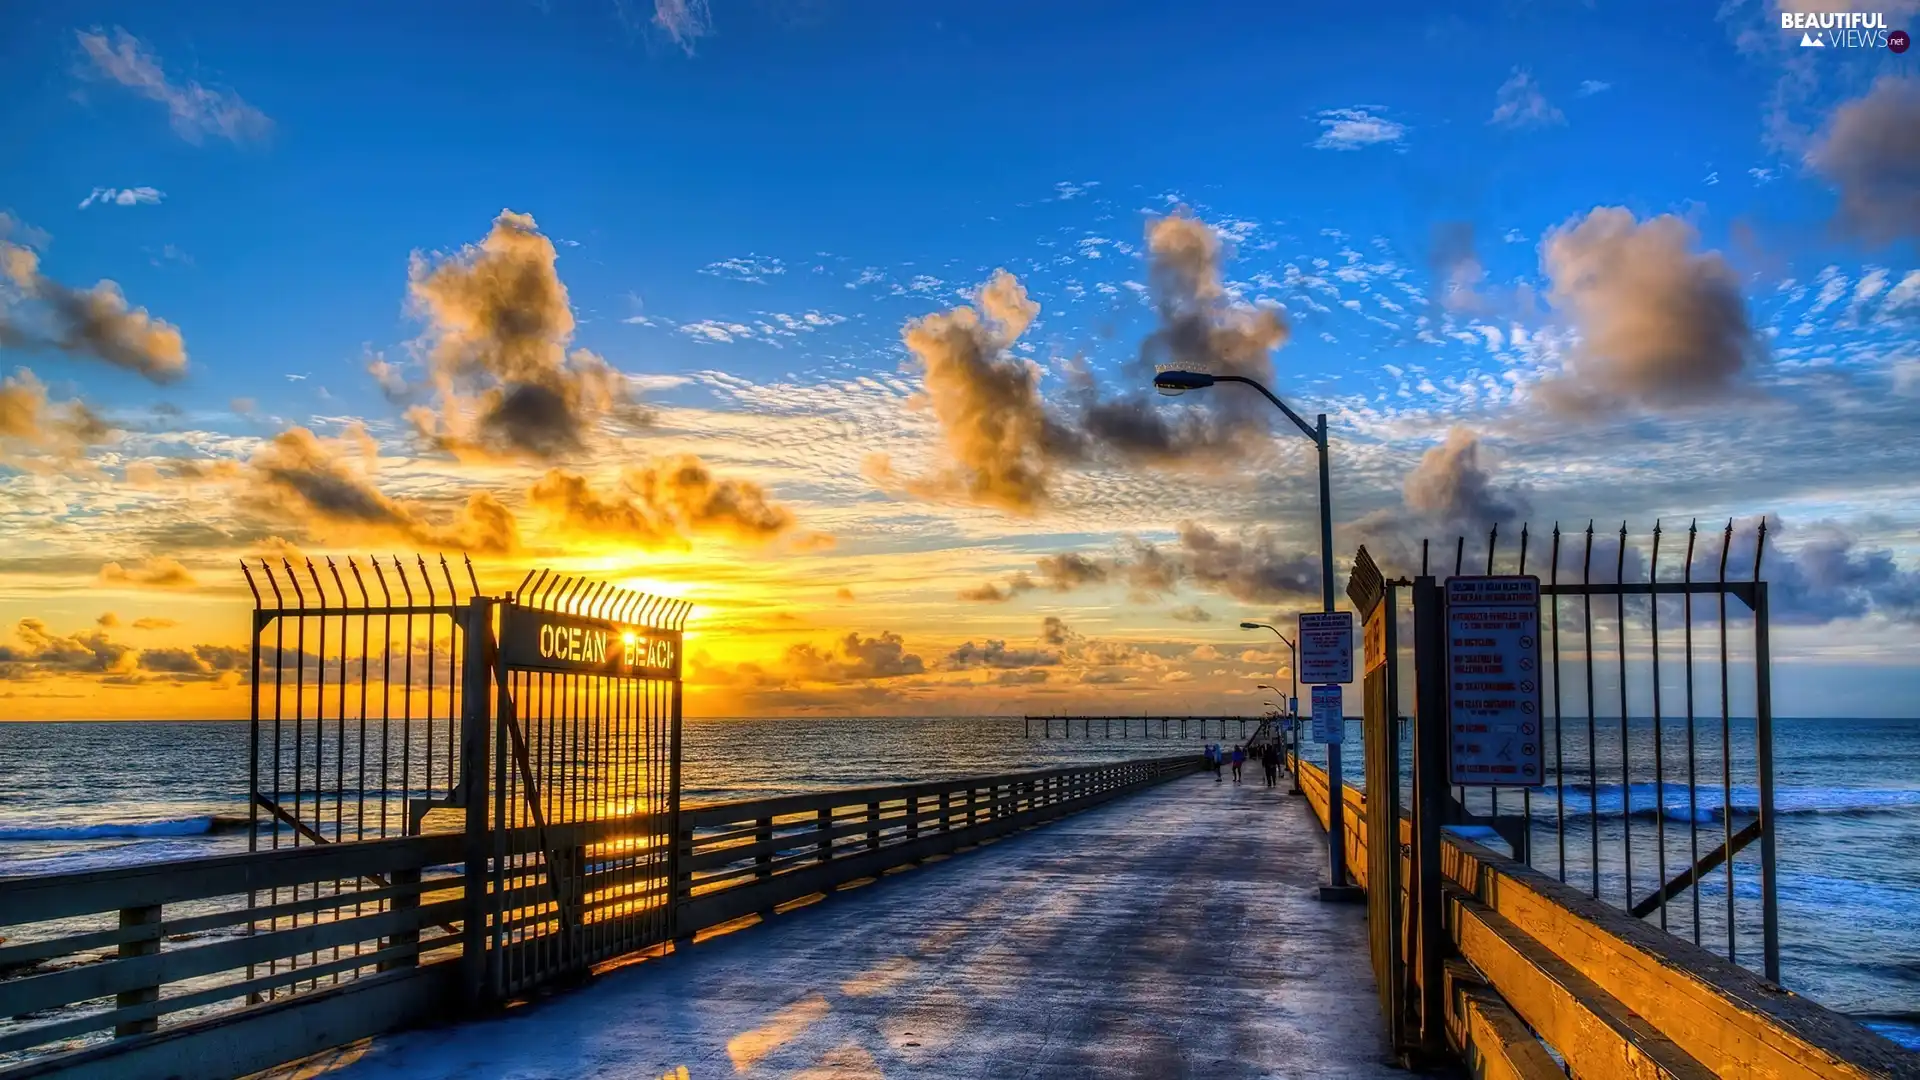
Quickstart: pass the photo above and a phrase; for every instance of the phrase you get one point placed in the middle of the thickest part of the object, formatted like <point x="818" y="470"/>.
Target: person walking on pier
<point x="1239" y="758"/>
<point x="1213" y="760"/>
<point x="1270" y="761"/>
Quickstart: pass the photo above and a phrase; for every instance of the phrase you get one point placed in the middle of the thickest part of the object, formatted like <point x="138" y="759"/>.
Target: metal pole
<point x="1293" y="708"/>
<point x="1337" y="887"/>
<point x="1763" y="750"/>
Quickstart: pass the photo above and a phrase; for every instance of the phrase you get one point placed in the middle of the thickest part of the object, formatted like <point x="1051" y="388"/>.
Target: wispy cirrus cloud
<point x="134" y="196"/>
<point x="1355" y="128"/>
<point x="751" y="268"/>
<point x="195" y="111"/>
<point x="1520" y="104"/>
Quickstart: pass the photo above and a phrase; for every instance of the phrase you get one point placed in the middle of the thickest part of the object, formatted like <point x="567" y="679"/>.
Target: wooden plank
<point x="57" y="896"/>
<point x="1729" y="1019"/>
<point x="1596" y="1034"/>
<point x="1732" y="1020"/>
<point x="246" y="1041"/>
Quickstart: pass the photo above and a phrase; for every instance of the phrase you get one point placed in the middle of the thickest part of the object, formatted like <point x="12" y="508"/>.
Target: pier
<point x="1088" y="948"/>
<point x="1148" y="726"/>
<point x="522" y="891"/>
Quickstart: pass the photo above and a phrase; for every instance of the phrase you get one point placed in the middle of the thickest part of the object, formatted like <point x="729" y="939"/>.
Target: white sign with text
<point x="1493" y="681"/>
<point x="1329" y="715"/>
<point x="1326" y="647"/>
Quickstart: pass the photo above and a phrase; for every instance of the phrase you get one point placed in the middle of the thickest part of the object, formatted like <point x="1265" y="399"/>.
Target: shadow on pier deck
<point x="1172" y="933"/>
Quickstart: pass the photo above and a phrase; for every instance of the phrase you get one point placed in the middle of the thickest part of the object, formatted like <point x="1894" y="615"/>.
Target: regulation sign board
<point x="1493" y="681"/>
<point x="1326" y="647"/>
<point x="1329" y="715"/>
<point x="535" y="640"/>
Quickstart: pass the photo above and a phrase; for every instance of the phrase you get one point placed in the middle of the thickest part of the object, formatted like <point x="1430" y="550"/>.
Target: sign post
<point x="1329" y="715"/>
<point x="1493" y="681"/>
<point x="1326" y="647"/>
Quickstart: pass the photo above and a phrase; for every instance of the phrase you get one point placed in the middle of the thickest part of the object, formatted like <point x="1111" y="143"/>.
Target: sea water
<point x="85" y="795"/>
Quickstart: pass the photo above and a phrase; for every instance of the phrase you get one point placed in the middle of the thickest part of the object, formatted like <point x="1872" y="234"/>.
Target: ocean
<point x="84" y="795"/>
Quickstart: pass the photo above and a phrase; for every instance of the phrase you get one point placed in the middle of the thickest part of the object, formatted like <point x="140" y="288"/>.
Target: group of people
<point x="1237" y="757"/>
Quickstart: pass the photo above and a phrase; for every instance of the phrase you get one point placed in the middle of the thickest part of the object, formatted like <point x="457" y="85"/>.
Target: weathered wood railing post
<point x="823" y="824"/>
<point x="408" y="900"/>
<point x="147" y="944"/>
<point x="913" y="817"/>
<point x="946" y="812"/>
<point x="763" y="838"/>
<point x="873" y="826"/>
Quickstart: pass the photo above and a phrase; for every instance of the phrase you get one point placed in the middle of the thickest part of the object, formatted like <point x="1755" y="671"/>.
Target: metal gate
<point x="586" y="778"/>
<point x="544" y="725"/>
<point x="1658" y="761"/>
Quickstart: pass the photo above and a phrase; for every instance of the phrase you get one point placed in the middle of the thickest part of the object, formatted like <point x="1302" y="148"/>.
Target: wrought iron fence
<point x="355" y="709"/>
<point x="1658" y="728"/>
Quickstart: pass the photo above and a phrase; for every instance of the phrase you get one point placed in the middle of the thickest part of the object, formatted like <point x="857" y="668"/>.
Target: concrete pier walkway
<point x="1172" y="933"/>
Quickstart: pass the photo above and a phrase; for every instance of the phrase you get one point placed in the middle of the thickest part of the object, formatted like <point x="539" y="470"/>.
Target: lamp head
<point x="1173" y="381"/>
<point x="1251" y="625"/>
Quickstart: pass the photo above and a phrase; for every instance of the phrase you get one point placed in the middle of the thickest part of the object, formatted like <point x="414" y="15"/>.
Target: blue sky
<point x="748" y="202"/>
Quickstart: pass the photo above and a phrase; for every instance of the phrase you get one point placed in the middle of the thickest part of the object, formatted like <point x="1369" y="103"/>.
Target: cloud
<point x="154" y="624"/>
<point x="751" y="268"/>
<point x="1450" y="487"/>
<point x="159" y="572"/>
<point x="1870" y="151"/>
<point x="999" y="441"/>
<point x="1520" y="104"/>
<point x="1201" y="327"/>
<point x="301" y="479"/>
<point x="1660" y="326"/>
<point x="122" y="196"/>
<point x="194" y="110"/>
<point x="1351" y="129"/>
<point x="1191" y="613"/>
<point x="995" y="654"/>
<point x="683" y="21"/>
<point x="1590" y="87"/>
<point x="92" y="322"/>
<point x="1832" y="576"/>
<point x="856" y="659"/>
<point x="1457" y="266"/>
<point x="662" y="504"/>
<point x="1002" y="443"/>
<point x="40" y="652"/>
<point x="28" y="419"/>
<point x="498" y="324"/>
<point x="1251" y="566"/>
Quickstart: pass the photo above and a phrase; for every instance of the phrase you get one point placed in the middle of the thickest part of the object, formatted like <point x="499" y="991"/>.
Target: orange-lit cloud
<point x="498" y="327"/>
<point x="301" y="479"/>
<point x="92" y="322"/>
<point x="661" y="504"/>
<point x="159" y="572"/>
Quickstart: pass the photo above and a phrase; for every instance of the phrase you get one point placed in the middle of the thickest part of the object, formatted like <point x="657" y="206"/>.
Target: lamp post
<point x="1172" y="382"/>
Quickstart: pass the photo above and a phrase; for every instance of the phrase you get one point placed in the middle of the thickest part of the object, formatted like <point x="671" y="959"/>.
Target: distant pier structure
<point x="1122" y="727"/>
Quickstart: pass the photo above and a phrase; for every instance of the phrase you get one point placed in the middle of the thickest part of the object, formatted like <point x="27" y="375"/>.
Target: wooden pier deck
<point x="1172" y="933"/>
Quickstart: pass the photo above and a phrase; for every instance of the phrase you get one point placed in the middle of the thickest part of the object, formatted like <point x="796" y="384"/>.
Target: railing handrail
<point x="800" y="802"/>
<point x="1714" y="1010"/>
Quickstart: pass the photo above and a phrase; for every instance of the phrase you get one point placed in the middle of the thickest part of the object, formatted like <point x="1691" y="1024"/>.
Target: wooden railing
<point x="1542" y="965"/>
<point x="223" y="966"/>
<point x="742" y="858"/>
<point x="311" y="939"/>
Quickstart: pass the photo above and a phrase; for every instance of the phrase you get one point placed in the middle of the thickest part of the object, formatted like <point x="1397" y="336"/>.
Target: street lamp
<point x="1293" y="711"/>
<point x="1172" y="381"/>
